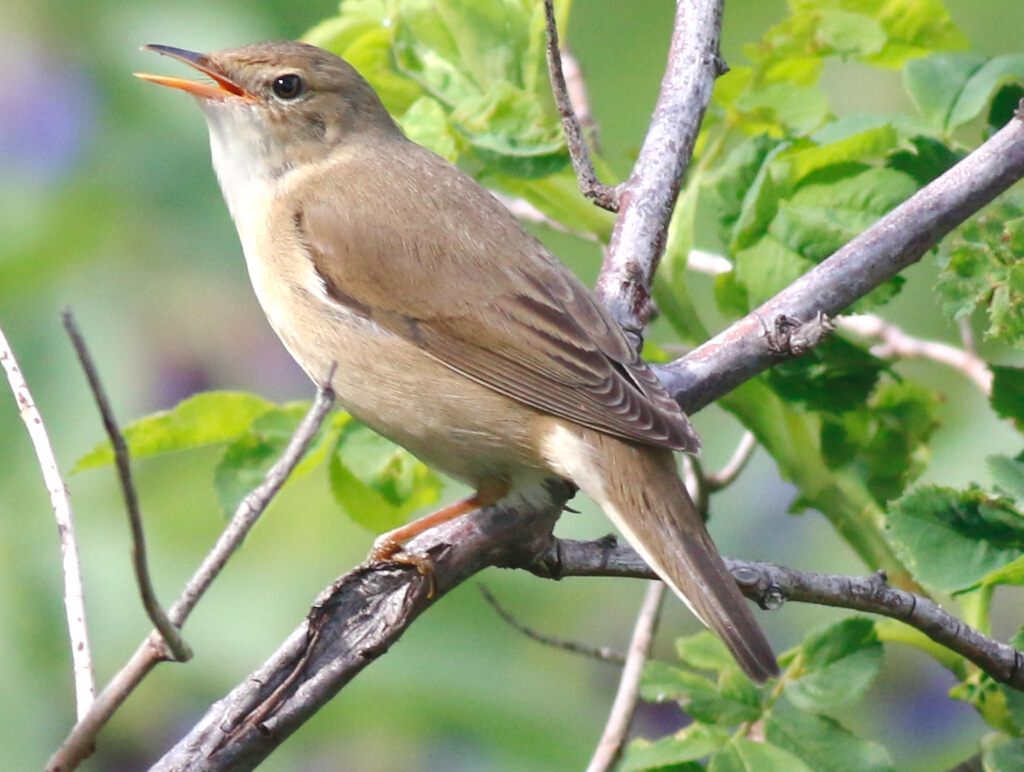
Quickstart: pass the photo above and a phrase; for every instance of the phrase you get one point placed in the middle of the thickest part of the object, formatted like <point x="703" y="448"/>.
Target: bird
<point x="442" y="323"/>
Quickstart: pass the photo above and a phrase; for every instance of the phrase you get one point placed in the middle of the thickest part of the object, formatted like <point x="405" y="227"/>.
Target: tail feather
<point x="639" y="489"/>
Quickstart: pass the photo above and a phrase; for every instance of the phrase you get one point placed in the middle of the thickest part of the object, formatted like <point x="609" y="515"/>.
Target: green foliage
<point x="831" y="667"/>
<point x="983" y="268"/>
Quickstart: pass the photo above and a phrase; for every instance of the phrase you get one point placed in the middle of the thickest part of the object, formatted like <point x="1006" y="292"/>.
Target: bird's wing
<point x="426" y="253"/>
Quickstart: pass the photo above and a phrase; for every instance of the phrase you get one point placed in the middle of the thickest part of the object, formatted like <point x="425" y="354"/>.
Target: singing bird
<point x="448" y="328"/>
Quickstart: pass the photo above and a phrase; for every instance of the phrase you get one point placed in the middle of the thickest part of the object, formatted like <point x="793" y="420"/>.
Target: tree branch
<point x="60" y="500"/>
<point x="353" y="622"/>
<point x="609" y="748"/>
<point x="896" y="241"/>
<point x="649" y="196"/>
<point x="770" y="586"/>
<point x="176" y="645"/>
<point x="79" y="743"/>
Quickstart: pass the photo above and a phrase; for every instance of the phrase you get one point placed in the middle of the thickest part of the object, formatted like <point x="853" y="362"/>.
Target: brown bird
<point x="452" y="331"/>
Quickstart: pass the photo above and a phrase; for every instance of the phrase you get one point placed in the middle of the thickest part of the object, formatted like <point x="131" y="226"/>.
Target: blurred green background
<point x="108" y="206"/>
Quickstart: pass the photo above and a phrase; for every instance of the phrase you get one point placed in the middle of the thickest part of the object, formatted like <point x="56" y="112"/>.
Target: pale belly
<point x="450" y="422"/>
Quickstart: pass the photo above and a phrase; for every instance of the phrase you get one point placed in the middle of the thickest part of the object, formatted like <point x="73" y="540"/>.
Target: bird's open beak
<point x="221" y="88"/>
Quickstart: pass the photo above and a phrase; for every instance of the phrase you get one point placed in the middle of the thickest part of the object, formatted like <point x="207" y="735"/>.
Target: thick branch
<point x="896" y="241"/>
<point x="649" y="196"/>
<point x="770" y="586"/>
<point x="352" y="623"/>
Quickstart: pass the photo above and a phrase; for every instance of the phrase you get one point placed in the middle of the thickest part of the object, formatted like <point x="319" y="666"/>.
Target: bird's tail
<point x="639" y="489"/>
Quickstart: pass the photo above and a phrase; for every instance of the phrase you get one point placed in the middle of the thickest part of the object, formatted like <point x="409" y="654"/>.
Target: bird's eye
<point x="288" y="86"/>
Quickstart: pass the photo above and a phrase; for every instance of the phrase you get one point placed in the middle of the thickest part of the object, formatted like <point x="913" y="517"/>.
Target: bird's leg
<point x="388" y="546"/>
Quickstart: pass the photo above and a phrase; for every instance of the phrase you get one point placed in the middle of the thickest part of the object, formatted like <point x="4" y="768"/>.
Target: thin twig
<point x="74" y="595"/>
<point x="176" y="645"/>
<point x="617" y="727"/>
<point x="601" y="654"/>
<point x="771" y="586"/>
<point x="79" y="743"/>
<point x="579" y="98"/>
<point x="605" y="196"/>
<point x="896" y="343"/>
<point x="728" y="473"/>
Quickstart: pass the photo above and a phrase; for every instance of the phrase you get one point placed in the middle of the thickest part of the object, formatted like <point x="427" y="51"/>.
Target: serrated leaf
<point x="376" y="482"/>
<point x="824" y="744"/>
<point x="749" y="756"/>
<point x="698" y="696"/>
<point x="977" y="92"/>
<point x="937" y="83"/>
<point x="952" y="539"/>
<point x="688" y="745"/>
<point x="1008" y="393"/>
<point x="205" y="419"/>
<point x="914" y="28"/>
<point x="838" y="665"/>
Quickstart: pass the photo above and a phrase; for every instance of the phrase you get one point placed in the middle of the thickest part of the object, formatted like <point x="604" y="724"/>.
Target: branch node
<point x="791" y="337"/>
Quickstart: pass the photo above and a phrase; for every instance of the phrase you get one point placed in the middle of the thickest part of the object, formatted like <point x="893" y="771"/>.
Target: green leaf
<point x="951" y="90"/>
<point x="205" y="419"/>
<point x="838" y="665"/>
<point x="1008" y="475"/>
<point x="674" y="752"/>
<point x="886" y="443"/>
<point x="697" y="695"/>
<point x="914" y="28"/>
<point x="768" y="267"/>
<point x="983" y="266"/>
<point x="935" y="83"/>
<point x="749" y="756"/>
<point x="929" y="158"/>
<point x="824" y="744"/>
<point x="979" y="89"/>
<point x="377" y="483"/>
<point x="734" y="187"/>
<point x="850" y="34"/>
<point x="247" y="459"/>
<point x="835" y="376"/>
<point x="1003" y="754"/>
<point x="426" y="123"/>
<point x="806" y="159"/>
<point x="798" y="109"/>
<point x="705" y="651"/>
<point x="1004" y="106"/>
<point x="1008" y="393"/>
<point x="952" y="539"/>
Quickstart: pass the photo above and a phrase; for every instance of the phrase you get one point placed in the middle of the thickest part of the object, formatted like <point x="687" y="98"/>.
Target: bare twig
<point x="728" y="473"/>
<point x="609" y="748"/>
<point x="649" y="196"/>
<point x="74" y="596"/>
<point x="601" y="654"/>
<point x="605" y="196"/>
<point x="896" y="241"/>
<point x="770" y="586"/>
<point x="79" y="742"/>
<point x="176" y="645"/>
<point x="896" y="343"/>
<point x="579" y="98"/>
